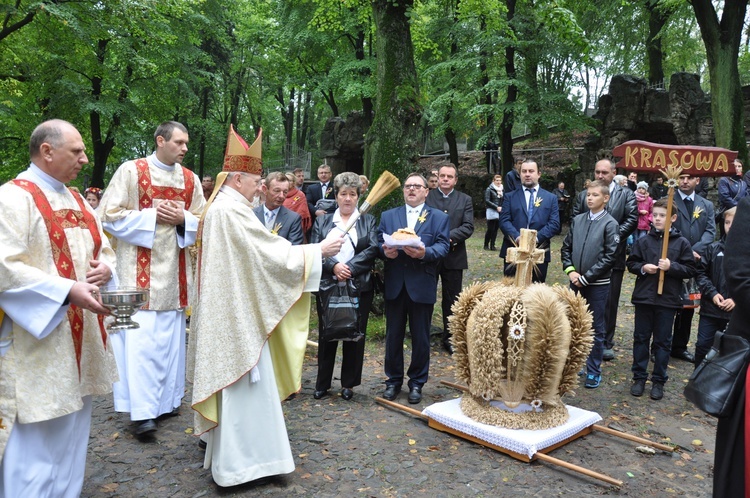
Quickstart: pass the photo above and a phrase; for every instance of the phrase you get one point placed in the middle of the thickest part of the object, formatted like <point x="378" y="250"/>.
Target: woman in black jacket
<point x="355" y="261"/>
<point x="493" y="200"/>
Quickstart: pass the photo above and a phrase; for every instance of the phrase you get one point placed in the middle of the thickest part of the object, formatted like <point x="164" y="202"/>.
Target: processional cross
<point x="525" y="256"/>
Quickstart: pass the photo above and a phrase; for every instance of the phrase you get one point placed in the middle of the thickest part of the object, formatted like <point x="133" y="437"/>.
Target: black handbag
<point x="717" y="382"/>
<point x="340" y="318"/>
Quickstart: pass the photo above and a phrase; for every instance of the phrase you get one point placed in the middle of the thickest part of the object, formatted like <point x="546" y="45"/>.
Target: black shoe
<point x="347" y="393"/>
<point x="391" y="392"/>
<point x="684" y="356"/>
<point x="657" y="391"/>
<point x="320" y="394"/>
<point x="145" y="427"/>
<point x="173" y="413"/>
<point x="415" y="395"/>
<point x="448" y="346"/>
<point x="486" y="247"/>
<point x="492" y="248"/>
<point x="608" y="355"/>
<point x="638" y="387"/>
<point x="202" y="444"/>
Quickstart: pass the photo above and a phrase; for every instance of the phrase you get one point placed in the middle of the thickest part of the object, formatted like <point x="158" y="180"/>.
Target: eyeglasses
<point x="413" y="186"/>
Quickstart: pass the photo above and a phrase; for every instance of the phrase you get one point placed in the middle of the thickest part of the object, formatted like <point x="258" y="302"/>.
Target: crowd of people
<point x="59" y="256"/>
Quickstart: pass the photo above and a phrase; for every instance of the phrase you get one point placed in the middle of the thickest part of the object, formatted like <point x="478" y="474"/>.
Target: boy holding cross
<point x="654" y="313"/>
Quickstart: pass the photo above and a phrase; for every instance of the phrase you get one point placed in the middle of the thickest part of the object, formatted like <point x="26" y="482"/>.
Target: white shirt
<point x="412" y="215"/>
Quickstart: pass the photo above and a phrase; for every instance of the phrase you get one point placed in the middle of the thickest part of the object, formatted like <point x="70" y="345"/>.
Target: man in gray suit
<point x="623" y="207"/>
<point x="278" y="219"/>
<point x="695" y="221"/>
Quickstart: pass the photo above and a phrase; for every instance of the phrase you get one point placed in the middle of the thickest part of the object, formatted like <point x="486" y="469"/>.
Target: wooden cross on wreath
<point x="525" y="256"/>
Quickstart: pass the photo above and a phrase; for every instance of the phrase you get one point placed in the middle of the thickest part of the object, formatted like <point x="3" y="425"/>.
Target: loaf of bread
<point x="404" y="234"/>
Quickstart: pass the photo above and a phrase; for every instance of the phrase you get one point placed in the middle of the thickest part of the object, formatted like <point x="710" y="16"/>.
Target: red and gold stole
<point x="56" y="223"/>
<point x="146" y="195"/>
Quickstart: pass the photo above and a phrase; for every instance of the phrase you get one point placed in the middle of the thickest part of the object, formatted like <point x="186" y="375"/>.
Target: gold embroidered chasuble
<point x="42" y="379"/>
<point x="250" y="287"/>
<point x="168" y="271"/>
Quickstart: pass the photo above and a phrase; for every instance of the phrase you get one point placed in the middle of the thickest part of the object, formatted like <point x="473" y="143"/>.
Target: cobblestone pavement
<point x="359" y="448"/>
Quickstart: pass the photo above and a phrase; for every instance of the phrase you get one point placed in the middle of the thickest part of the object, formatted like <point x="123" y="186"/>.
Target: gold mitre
<point x="241" y="157"/>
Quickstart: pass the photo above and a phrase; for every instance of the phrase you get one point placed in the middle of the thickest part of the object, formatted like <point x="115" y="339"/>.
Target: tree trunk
<point x="657" y="18"/>
<point x="506" y="127"/>
<point x="392" y="139"/>
<point x="722" y="41"/>
<point x="450" y="133"/>
<point x="450" y="137"/>
<point x="484" y="56"/>
<point x="359" y="50"/>
<point x="202" y="144"/>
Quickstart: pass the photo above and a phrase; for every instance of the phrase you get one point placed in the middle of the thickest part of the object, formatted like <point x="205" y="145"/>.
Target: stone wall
<point x="632" y="111"/>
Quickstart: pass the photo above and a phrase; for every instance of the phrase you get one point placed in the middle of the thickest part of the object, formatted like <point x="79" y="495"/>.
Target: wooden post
<point x="525" y="256"/>
<point x="665" y="242"/>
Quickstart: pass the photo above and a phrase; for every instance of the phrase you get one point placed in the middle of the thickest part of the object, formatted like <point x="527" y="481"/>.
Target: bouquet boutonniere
<point x="276" y="229"/>
<point x="423" y="216"/>
<point x="537" y="202"/>
<point x="328" y="191"/>
<point x="296" y="198"/>
<point x="697" y="212"/>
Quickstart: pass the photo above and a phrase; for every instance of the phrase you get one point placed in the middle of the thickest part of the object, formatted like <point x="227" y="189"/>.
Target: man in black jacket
<point x="623" y="207"/>
<point x="458" y="207"/>
<point x="696" y="222"/>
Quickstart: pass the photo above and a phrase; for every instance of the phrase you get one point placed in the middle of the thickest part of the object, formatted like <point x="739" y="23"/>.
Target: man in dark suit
<point x="513" y="178"/>
<point x="411" y="286"/>
<point x="623" y="207"/>
<point x="529" y="206"/>
<point x="457" y="206"/>
<point x="322" y="190"/>
<point x="695" y="221"/>
<point x="278" y="219"/>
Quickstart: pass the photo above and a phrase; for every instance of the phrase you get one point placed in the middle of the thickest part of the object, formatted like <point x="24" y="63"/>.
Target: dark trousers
<point x="452" y="281"/>
<point x="613" y="302"/>
<point x="491" y="236"/>
<point x="657" y="321"/>
<point x="596" y="296"/>
<point x="539" y="275"/>
<point x="397" y="311"/>
<point x="707" y="328"/>
<point x="682" y="325"/>
<point x="353" y="353"/>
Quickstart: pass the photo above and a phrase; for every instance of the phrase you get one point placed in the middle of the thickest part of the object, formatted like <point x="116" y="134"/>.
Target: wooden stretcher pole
<point x="577" y="468"/>
<point x="400" y="407"/>
<point x="636" y="439"/>
<point x="665" y="242"/>
<point x="312" y="343"/>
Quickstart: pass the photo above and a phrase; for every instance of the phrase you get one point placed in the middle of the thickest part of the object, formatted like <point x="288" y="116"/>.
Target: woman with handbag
<point x="731" y="464"/>
<point x="354" y="262"/>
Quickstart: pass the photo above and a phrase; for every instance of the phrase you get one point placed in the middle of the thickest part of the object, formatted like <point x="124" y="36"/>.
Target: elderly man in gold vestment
<point x="54" y="352"/>
<point x="246" y="338"/>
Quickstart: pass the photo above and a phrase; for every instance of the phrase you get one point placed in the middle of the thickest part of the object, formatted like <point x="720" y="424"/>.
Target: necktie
<point x="530" y="210"/>
<point x="270" y="218"/>
<point x="689" y="205"/>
